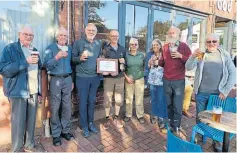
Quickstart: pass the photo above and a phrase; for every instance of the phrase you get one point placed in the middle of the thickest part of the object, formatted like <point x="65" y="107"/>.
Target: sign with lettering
<point x="224" y="5"/>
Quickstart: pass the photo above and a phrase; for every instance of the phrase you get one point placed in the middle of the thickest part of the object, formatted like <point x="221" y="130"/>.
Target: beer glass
<point x="200" y="56"/>
<point x="86" y="54"/>
<point x="216" y="114"/>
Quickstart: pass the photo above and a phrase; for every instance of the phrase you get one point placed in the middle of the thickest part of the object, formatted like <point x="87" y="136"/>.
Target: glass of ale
<point x="201" y="55"/>
<point x="216" y="114"/>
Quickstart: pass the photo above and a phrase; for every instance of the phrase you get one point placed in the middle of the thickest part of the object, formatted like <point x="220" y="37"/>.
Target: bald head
<point x="26" y="35"/>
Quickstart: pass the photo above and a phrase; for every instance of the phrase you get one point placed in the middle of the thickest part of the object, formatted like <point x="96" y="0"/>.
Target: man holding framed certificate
<point x="112" y="67"/>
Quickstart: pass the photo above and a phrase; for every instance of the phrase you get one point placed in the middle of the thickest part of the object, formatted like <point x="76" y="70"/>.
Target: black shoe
<point x="126" y="119"/>
<point x="67" y="136"/>
<point x="153" y="119"/>
<point x="141" y="120"/>
<point x="57" y="141"/>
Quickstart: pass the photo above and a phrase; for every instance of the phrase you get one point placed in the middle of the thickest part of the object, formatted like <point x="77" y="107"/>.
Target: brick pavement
<point x="134" y="137"/>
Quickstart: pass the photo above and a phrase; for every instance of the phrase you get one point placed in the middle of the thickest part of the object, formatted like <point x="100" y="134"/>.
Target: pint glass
<point x="216" y="114"/>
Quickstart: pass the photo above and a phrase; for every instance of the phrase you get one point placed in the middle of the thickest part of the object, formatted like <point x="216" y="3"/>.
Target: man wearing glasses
<point x="58" y="64"/>
<point x="20" y="67"/>
<point x="215" y="73"/>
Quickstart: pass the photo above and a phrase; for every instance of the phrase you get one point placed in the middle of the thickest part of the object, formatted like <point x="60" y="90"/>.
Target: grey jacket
<point x="228" y="80"/>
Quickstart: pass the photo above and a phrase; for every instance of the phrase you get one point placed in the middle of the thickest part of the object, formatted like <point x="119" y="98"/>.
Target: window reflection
<point x="181" y="21"/>
<point x="105" y="15"/>
<point x="38" y="14"/>
<point x="161" y="25"/>
<point x="196" y="34"/>
<point x="136" y="25"/>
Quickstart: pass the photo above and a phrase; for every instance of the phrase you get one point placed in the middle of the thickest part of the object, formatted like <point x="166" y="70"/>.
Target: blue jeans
<point x="86" y="90"/>
<point x="201" y="99"/>
<point x="158" y="101"/>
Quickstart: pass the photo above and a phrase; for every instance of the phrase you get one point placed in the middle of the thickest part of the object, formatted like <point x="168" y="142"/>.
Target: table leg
<point x="225" y="147"/>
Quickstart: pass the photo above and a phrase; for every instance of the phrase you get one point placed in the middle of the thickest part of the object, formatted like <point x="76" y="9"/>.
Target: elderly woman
<point x="134" y="75"/>
<point x="215" y="73"/>
<point x="155" y="75"/>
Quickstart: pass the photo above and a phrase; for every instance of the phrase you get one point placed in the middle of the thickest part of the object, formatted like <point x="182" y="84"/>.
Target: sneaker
<point x="126" y="119"/>
<point x="153" y="119"/>
<point x="86" y="132"/>
<point x="92" y="128"/>
<point x="67" y="136"/>
<point x="217" y="146"/>
<point x="57" y="141"/>
<point x="106" y="124"/>
<point x="117" y="123"/>
<point x="141" y="120"/>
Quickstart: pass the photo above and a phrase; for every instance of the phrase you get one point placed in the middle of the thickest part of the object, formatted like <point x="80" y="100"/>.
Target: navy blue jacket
<point x="14" y="69"/>
<point x="60" y="67"/>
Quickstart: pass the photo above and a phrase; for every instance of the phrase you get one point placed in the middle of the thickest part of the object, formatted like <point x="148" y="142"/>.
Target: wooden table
<point x="227" y="124"/>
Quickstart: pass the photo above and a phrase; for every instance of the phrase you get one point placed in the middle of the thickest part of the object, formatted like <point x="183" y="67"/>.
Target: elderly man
<point x="175" y="55"/>
<point x="19" y="66"/>
<point x="215" y="73"/>
<point x="58" y="64"/>
<point x="84" y="54"/>
<point x="114" y="83"/>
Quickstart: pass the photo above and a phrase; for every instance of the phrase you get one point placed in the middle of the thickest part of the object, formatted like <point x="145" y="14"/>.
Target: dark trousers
<point x="174" y="91"/>
<point x="23" y="116"/>
<point x="60" y="95"/>
<point x="87" y="88"/>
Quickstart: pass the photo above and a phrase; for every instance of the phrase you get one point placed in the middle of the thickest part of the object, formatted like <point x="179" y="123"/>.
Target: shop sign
<point x="224" y="5"/>
<point x="194" y="38"/>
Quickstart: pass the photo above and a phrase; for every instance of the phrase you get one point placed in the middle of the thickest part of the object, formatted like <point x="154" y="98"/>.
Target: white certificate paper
<point x="108" y="66"/>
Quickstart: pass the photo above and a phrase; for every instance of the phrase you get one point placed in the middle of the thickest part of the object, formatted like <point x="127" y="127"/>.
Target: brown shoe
<point x="117" y="123"/>
<point x="106" y="124"/>
<point x="186" y="113"/>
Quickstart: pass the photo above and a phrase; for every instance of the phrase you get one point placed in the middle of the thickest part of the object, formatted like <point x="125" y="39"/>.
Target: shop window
<point x="196" y="33"/>
<point x="37" y="14"/>
<point x="234" y="42"/>
<point x="181" y="21"/>
<point x="136" y="25"/>
<point x="104" y="14"/>
<point x="161" y="25"/>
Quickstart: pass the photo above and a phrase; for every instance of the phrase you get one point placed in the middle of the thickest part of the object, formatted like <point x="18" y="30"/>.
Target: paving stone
<point x="108" y="148"/>
<point x="129" y="149"/>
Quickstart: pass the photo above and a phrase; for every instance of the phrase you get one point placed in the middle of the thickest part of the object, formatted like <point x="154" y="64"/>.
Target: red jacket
<point x="174" y="68"/>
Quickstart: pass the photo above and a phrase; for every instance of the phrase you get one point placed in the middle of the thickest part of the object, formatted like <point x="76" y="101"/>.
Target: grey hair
<point x="213" y="35"/>
<point x="156" y="41"/>
<point x="91" y="24"/>
<point x="176" y="29"/>
<point x="59" y="29"/>
<point x="24" y="26"/>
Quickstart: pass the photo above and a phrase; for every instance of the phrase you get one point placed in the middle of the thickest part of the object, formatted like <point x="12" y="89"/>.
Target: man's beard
<point x="171" y="39"/>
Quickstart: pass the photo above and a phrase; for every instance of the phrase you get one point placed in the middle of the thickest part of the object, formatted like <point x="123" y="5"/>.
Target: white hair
<point x="133" y="40"/>
<point x="213" y="35"/>
<point x="25" y="26"/>
<point x="175" y="28"/>
<point x="60" y="29"/>
<point x="91" y="24"/>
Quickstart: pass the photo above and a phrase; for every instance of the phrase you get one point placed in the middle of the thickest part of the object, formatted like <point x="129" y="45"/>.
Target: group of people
<point x="163" y="67"/>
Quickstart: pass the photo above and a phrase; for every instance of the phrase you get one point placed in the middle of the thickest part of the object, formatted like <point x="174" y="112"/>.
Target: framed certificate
<point x="107" y="65"/>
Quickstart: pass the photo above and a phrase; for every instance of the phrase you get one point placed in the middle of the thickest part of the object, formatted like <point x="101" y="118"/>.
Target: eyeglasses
<point x="28" y="35"/>
<point x="213" y="41"/>
<point x="133" y="44"/>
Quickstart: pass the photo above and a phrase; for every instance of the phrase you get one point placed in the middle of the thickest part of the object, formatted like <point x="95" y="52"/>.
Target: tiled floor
<point x="134" y="137"/>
